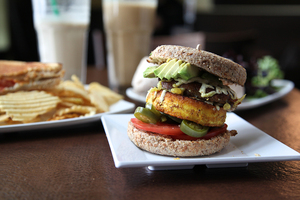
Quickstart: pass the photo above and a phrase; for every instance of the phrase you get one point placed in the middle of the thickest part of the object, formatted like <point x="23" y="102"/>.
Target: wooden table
<point x="76" y="163"/>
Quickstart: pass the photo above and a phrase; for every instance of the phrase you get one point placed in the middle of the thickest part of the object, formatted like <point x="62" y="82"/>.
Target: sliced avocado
<point x="188" y="71"/>
<point x="176" y="74"/>
<point x="173" y="71"/>
<point x="163" y="70"/>
<point x="149" y="72"/>
<point x="158" y="70"/>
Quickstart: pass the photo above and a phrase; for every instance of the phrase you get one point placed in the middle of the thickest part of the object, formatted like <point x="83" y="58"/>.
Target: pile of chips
<point x="68" y="100"/>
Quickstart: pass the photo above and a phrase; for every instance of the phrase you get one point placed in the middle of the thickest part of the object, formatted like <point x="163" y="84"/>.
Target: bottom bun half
<point x="165" y="145"/>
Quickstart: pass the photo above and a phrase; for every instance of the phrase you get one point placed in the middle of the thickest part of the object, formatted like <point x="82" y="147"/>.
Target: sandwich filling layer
<point x="182" y="78"/>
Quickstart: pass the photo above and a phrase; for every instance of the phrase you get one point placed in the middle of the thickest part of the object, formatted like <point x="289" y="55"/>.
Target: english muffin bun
<point x="227" y="70"/>
<point x="166" y="145"/>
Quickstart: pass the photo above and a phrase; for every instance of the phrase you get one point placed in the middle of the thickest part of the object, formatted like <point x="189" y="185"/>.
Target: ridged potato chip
<point x="69" y="99"/>
<point x="82" y="110"/>
<point x="25" y="106"/>
<point x="73" y="100"/>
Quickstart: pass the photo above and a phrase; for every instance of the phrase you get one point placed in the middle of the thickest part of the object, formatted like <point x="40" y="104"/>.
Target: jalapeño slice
<point x="193" y="129"/>
<point x="152" y="109"/>
<point x="146" y="115"/>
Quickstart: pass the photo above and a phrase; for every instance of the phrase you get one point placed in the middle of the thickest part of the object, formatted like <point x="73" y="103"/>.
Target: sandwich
<point x="17" y="75"/>
<point x="185" y="113"/>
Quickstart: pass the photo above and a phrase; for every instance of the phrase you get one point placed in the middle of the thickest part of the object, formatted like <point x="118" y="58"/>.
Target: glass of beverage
<point x="61" y="27"/>
<point x="128" y="26"/>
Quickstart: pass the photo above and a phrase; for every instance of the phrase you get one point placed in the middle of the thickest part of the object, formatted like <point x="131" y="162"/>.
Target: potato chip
<point x="65" y="105"/>
<point x="99" y="101"/>
<point x="110" y="97"/>
<point x="69" y="88"/>
<point x="25" y="106"/>
<point x="83" y="110"/>
<point x="65" y="116"/>
<point x="69" y="99"/>
<point x="9" y="122"/>
<point x="77" y="82"/>
<point x="74" y="100"/>
<point x="4" y="118"/>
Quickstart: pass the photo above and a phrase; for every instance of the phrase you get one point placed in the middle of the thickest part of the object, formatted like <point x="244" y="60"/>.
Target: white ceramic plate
<point x="135" y="96"/>
<point x="121" y="106"/>
<point x="250" y="145"/>
<point x="286" y="87"/>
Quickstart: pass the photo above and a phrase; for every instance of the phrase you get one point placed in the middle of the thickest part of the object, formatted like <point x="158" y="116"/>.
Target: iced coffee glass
<point x="128" y="26"/>
<point x="61" y="27"/>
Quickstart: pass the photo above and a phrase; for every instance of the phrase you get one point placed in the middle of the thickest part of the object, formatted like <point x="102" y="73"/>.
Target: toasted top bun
<point x="228" y="71"/>
<point x="18" y="68"/>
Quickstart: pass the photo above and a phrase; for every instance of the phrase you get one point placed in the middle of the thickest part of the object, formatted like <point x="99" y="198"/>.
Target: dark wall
<point x="253" y="36"/>
<point x="22" y="33"/>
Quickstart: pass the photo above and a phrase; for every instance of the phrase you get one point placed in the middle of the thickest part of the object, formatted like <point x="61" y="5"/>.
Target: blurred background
<point x="248" y="29"/>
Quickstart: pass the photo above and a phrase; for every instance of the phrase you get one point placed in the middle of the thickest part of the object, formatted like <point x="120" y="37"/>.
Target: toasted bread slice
<point x="16" y="68"/>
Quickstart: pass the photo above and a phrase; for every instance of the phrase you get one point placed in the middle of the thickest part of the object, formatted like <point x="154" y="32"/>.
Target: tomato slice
<point x="6" y="83"/>
<point x="174" y="130"/>
<point x="184" y="137"/>
<point x="160" y="127"/>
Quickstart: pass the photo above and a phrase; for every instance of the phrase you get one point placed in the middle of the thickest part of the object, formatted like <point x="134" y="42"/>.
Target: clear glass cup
<point x="128" y="27"/>
<point x="61" y="27"/>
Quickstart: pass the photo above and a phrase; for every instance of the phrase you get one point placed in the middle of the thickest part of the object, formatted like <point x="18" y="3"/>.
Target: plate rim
<point x="129" y="106"/>
<point x="256" y="102"/>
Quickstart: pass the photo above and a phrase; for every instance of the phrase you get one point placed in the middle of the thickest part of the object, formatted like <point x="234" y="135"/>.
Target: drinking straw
<point x="54" y="7"/>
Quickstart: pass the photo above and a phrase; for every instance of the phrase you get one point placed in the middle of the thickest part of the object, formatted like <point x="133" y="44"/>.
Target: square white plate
<point x="249" y="145"/>
<point x="121" y="106"/>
